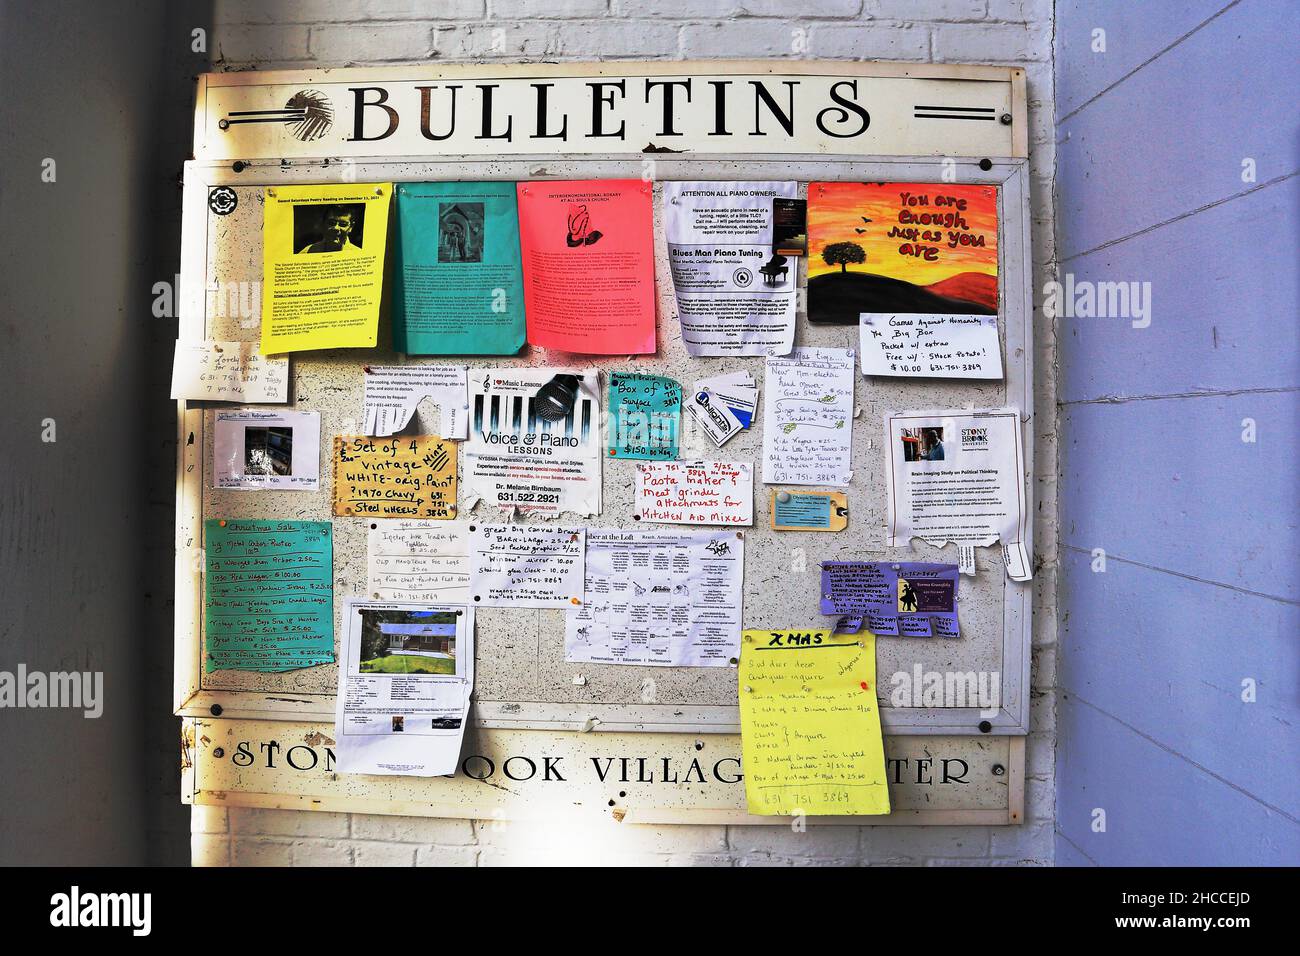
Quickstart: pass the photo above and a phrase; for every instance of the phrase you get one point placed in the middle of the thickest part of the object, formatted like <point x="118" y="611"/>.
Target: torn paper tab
<point x="228" y="372"/>
<point x="958" y="476"/>
<point x="393" y="392"/>
<point x="966" y="559"/>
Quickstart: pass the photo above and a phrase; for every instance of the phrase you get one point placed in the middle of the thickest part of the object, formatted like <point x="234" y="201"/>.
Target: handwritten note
<point x="228" y="372"/>
<point x="920" y="345"/>
<point x="526" y="565"/>
<point x="645" y="411"/>
<point x="808" y="418"/>
<point x="394" y="477"/>
<point x="418" y="561"/>
<point x="810" y="724"/>
<point x="695" y="492"/>
<point x="268" y="595"/>
<point x="393" y="392"/>
<point x="908" y="599"/>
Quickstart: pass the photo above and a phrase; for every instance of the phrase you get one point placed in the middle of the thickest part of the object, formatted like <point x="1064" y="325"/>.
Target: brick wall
<point x="291" y="34"/>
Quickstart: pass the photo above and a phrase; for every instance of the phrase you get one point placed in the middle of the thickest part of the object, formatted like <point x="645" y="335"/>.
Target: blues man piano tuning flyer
<point x="735" y="292"/>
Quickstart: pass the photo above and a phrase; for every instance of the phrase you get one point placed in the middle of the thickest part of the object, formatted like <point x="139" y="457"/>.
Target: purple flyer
<point x="894" y="599"/>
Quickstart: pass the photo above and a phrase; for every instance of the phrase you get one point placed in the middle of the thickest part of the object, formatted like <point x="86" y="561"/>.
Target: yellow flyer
<point x="810" y="724"/>
<point x="398" y="477"/>
<point x="323" y="266"/>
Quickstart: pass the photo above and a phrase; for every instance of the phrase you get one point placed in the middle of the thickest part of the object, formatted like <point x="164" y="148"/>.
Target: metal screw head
<point x="985" y="727"/>
<point x="218" y="752"/>
<point x="986" y="164"/>
<point x="1005" y="119"/>
<point x="999" y="770"/>
<point x="223" y="124"/>
<point x="215" y="710"/>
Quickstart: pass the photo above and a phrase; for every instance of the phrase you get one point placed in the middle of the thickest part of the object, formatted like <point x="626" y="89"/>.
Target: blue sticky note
<point x="644" y="416"/>
<point x="268" y="595"/>
<point x="804" y="511"/>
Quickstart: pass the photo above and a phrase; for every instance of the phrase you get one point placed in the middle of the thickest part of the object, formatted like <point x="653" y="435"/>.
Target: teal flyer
<point x="458" y="286"/>
<point x="644" y="414"/>
<point x="268" y="594"/>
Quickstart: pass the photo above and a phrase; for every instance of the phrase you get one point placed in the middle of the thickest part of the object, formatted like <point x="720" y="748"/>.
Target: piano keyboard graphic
<point x="504" y="415"/>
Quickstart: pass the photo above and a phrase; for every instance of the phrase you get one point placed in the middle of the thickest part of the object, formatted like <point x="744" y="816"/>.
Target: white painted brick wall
<point x="271" y="34"/>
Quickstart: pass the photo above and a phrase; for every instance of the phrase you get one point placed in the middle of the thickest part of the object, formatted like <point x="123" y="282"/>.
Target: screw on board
<point x="1005" y="119"/>
<point x="986" y="164"/>
<point x="985" y="727"/>
<point x="999" y="770"/>
<point x="218" y="752"/>
<point x="215" y="710"/>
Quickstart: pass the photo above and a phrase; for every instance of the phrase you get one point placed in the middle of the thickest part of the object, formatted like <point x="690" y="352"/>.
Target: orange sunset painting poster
<point x="901" y="247"/>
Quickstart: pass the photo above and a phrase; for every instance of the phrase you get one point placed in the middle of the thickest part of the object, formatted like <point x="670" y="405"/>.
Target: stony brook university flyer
<point x="518" y="458"/>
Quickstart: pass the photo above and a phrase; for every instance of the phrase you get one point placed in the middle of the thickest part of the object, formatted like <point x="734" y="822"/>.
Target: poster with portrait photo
<point x="336" y="227"/>
<point x="257" y="449"/>
<point x="323" y="253"/>
<point x="958" y="476"/>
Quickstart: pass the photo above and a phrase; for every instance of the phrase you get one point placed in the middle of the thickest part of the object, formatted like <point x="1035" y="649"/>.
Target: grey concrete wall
<point x="85" y="539"/>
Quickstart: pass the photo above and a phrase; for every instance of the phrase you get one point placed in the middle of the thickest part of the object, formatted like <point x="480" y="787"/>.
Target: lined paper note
<point x="808" y="418"/>
<point x="269" y="595"/>
<point x="418" y="561"/>
<point x="810" y="724"/>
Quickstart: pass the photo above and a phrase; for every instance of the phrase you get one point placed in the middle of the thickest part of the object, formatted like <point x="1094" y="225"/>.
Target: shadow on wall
<point x="93" y="155"/>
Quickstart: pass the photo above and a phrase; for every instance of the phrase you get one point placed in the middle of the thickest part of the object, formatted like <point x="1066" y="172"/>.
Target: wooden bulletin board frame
<point x="1010" y="173"/>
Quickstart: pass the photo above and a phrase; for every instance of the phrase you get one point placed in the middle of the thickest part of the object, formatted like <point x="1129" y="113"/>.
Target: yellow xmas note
<point x="810" y="724"/>
<point x="399" y="477"/>
<point x="323" y="265"/>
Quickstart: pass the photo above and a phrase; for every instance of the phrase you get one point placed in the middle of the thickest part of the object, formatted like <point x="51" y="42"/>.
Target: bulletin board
<point x="522" y="682"/>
